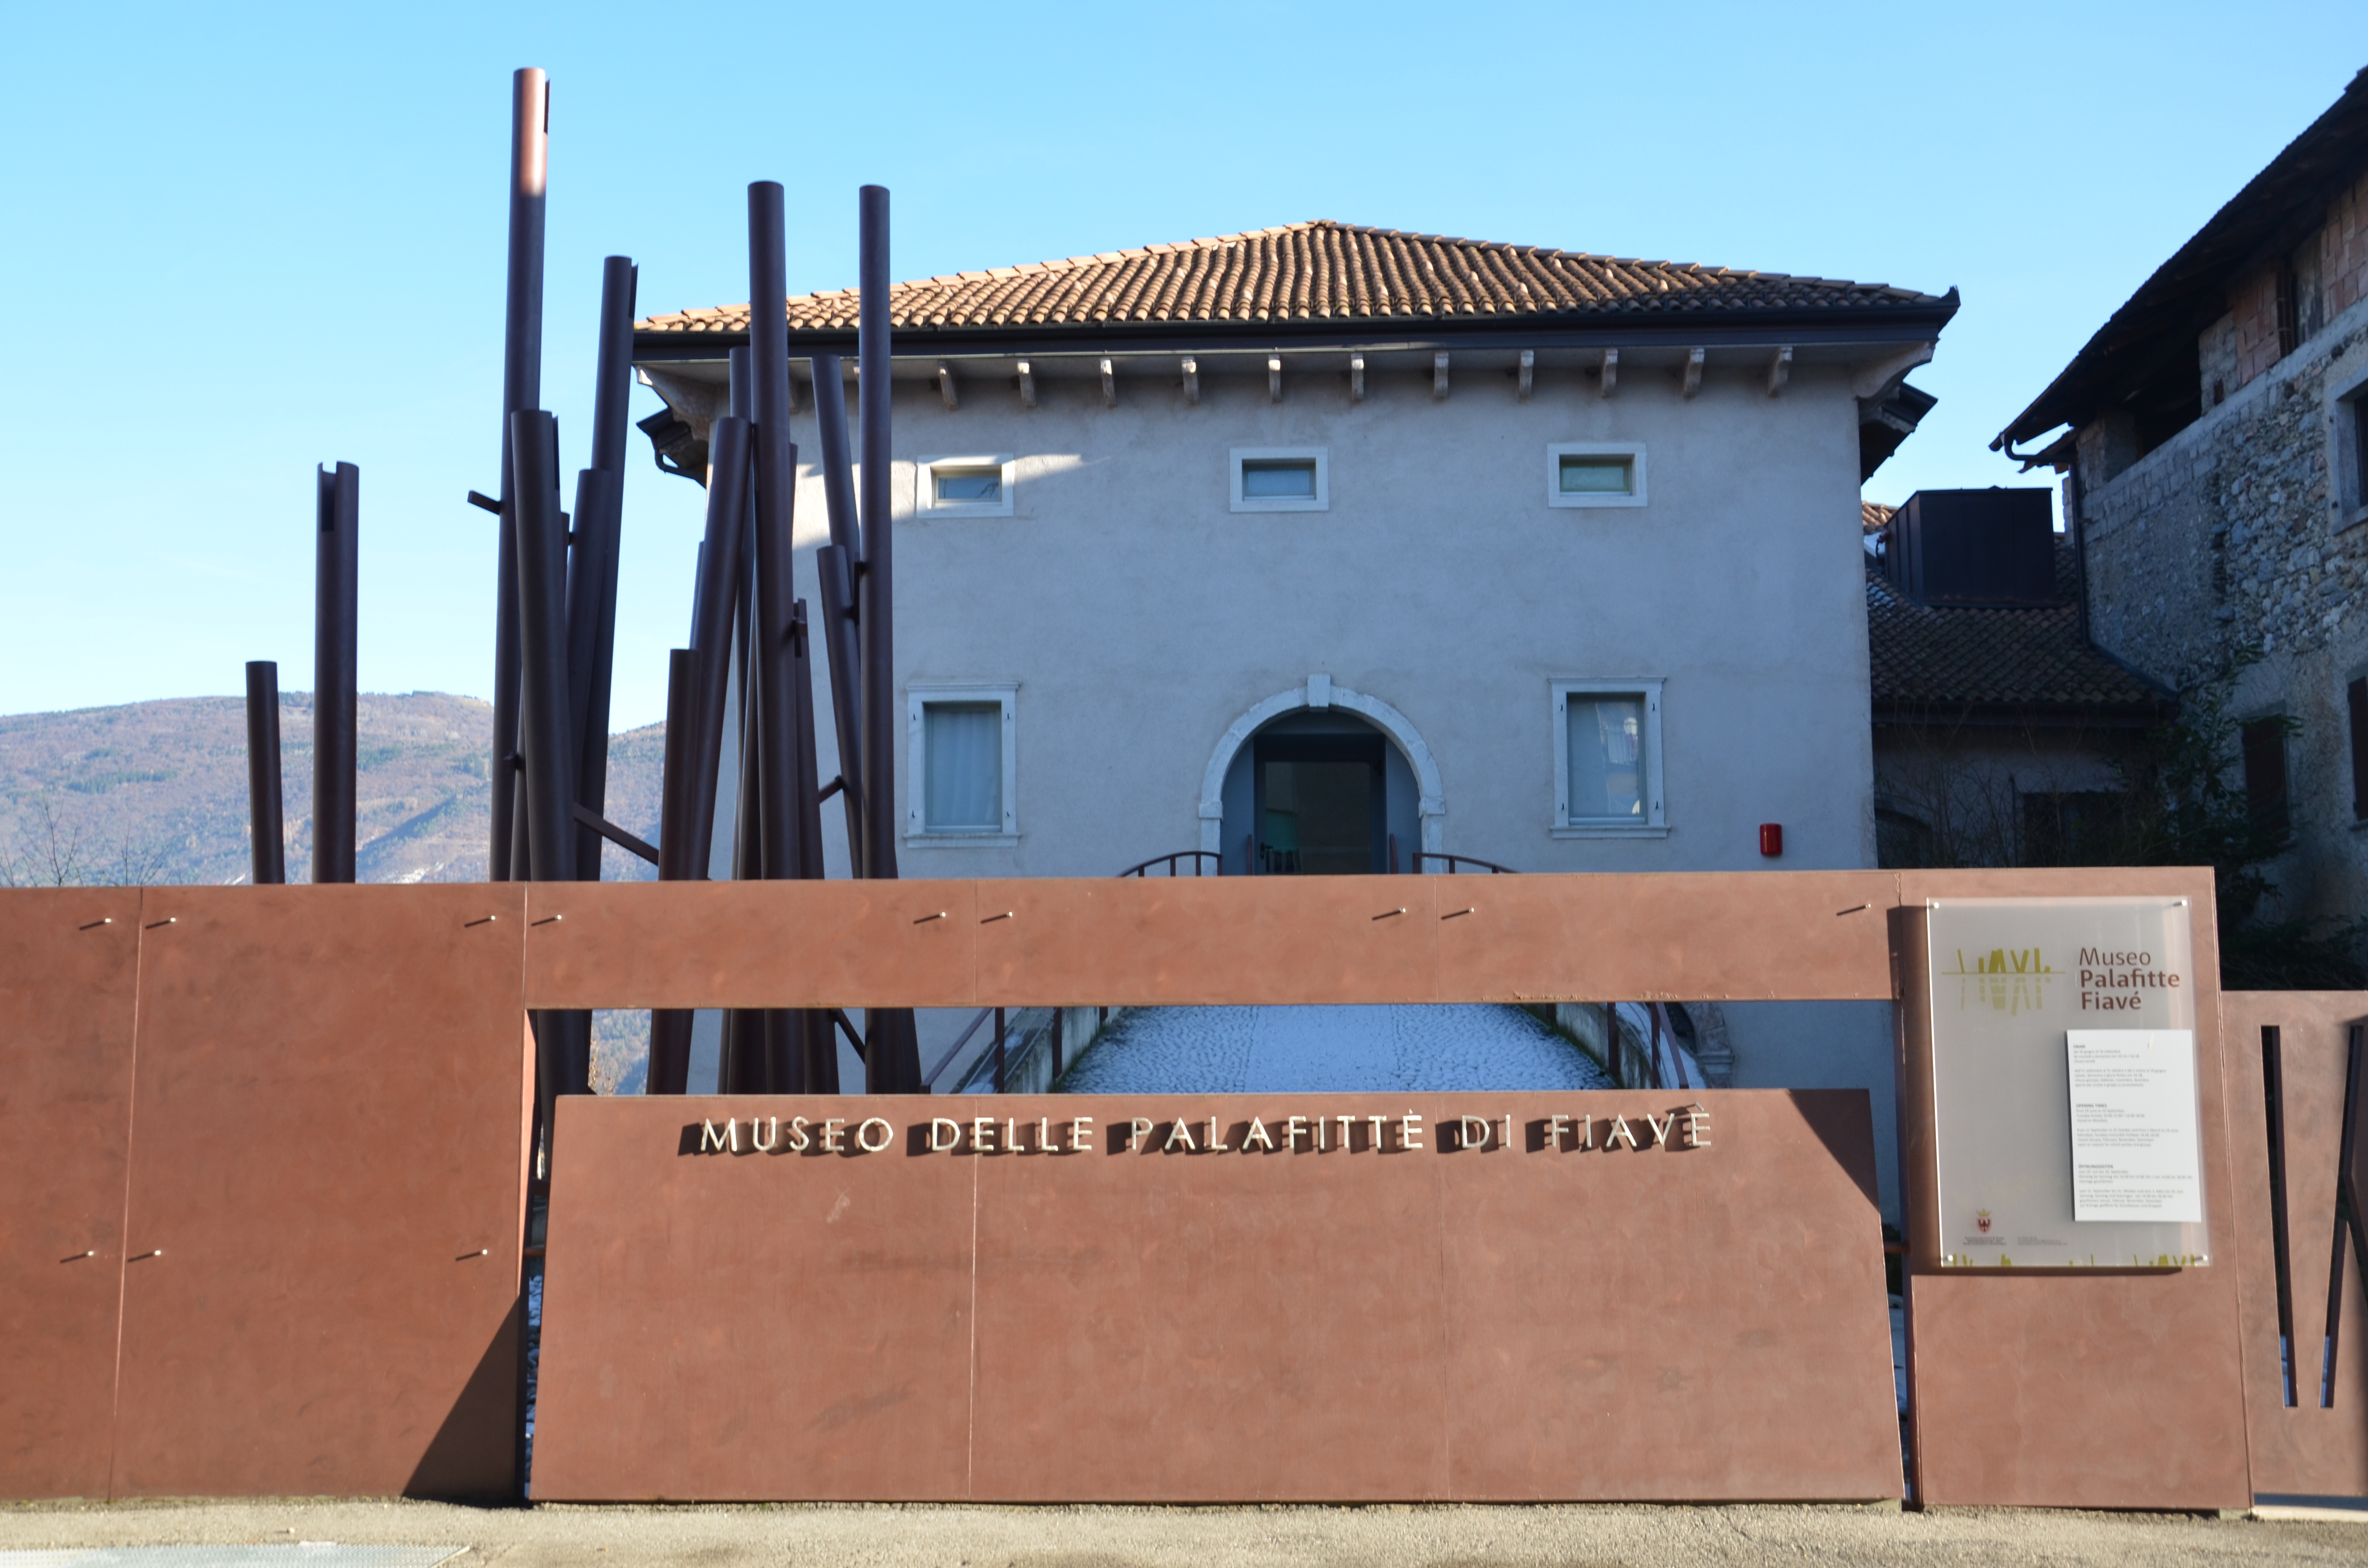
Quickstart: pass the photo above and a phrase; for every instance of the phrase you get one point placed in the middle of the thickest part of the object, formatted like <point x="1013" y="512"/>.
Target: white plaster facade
<point x="1148" y="629"/>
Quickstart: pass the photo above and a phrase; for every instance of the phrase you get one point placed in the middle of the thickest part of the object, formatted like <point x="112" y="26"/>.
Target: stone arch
<point x="1319" y="692"/>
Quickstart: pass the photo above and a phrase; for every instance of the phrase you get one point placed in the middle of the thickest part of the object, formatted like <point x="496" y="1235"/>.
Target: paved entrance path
<point x="1431" y="1048"/>
<point x="947" y="1537"/>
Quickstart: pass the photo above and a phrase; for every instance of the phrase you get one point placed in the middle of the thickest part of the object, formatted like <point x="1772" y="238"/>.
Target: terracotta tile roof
<point x="1312" y="272"/>
<point x="1874" y="516"/>
<point x="1943" y="661"/>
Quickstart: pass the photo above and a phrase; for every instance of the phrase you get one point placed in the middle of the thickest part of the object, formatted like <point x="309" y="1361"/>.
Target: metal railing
<point x="1454" y="861"/>
<point x="1204" y="863"/>
<point x="1663" y="1064"/>
<point x="1216" y="863"/>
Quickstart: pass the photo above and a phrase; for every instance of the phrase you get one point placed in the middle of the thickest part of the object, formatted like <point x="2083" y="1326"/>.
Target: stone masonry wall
<point x="2231" y="536"/>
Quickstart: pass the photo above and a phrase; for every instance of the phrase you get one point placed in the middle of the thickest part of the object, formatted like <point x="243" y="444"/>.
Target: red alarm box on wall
<point x="1772" y="838"/>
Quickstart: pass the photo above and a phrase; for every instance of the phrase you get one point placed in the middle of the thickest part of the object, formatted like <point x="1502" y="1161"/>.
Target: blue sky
<point x="242" y="242"/>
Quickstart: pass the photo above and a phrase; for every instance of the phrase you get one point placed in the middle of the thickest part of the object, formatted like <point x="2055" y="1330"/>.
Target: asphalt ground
<point x="853" y="1536"/>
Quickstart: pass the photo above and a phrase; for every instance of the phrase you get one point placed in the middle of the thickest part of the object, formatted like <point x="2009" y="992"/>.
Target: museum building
<point x="1327" y="549"/>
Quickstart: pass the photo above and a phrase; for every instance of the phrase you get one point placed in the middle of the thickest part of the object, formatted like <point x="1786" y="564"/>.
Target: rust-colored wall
<point x="1113" y="1324"/>
<point x="1160" y="941"/>
<point x="327" y="1118"/>
<point x="67" y="960"/>
<point x="329" y="1125"/>
<point x="2077" y="1389"/>
<point x="2309" y="1448"/>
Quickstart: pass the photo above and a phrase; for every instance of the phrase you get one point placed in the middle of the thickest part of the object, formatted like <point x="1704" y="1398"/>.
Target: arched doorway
<point x="1321" y="780"/>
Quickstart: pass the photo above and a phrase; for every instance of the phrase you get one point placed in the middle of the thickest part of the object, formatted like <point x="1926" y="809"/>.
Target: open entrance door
<point x="1321" y="804"/>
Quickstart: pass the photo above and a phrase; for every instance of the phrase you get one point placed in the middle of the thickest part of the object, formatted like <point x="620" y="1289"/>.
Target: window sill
<point x="1609" y="830"/>
<point x="1282" y="506"/>
<point x="2345" y="521"/>
<point x="961" y="840"/>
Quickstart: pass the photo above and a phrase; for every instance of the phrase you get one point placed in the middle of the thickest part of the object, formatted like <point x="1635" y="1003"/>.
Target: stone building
<point x="1998" y="725"/>
<point x="2212" y="435"/>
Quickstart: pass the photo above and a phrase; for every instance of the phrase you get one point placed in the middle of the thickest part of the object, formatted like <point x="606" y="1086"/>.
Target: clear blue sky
<point x="242" y="242"/>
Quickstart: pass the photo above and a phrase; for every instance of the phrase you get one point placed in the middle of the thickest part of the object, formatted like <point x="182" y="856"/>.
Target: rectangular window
<point x="2358" y="409"/>
<point x="1281" y="479"/>
<point x="1598" y="476"/>
<point x="963" y="486"/>
<point x="961" y="777"/>
<point x="1595" y="473"/>
<point x="2264" y="742"/>
<point x="2355" y="696"/>
<point x="1608" y="758"/>
<point x="1278" y="479"/>
<point x="967" y="486"/>
<point x="2289" y="306"/>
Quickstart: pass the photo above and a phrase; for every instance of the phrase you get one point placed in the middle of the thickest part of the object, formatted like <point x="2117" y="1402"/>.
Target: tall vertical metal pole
<point x="266" y="824"/>
<point x="719" y="588"/>
<point x="562" y="1039"/>
<point x="593" y="564"/>
<point x="877" y="589"/>
<point x="893" y="1058"/>
<point x="542" y="626"/>
<point x="816" y="1043"/>
<point x="835" y="564"/>
<point x="335" y="628"/>
<point x="521" y="389"/>
<point x="777" y="460"/>
<point x="838" y="474"/>
<point x="671" y="1029"/>
<point x="784" y="773"/>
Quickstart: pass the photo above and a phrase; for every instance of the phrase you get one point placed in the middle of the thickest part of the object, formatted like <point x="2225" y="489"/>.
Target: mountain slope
<point x="156" y="792"/>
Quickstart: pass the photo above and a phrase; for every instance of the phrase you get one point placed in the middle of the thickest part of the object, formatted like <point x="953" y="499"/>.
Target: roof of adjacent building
<point x="1936" y="661"/>
<point x="2188" y="292"/>
<point x="1326" y="272"/>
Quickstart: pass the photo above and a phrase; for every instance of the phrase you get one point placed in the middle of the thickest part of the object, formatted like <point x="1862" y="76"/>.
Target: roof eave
<point x="1907" y="321"/>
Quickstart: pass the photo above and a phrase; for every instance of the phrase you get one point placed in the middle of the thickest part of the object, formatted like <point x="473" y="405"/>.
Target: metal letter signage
<point x="2063" y="1095"/>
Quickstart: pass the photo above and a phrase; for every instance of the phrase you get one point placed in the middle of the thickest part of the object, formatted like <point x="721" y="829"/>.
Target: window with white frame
<point x="1595" y="473"/>
<point x="977" y="487"/>
<point x="1608" y="758"/>
<point x="961" y="772"/>
<point x="1282" y="478"/>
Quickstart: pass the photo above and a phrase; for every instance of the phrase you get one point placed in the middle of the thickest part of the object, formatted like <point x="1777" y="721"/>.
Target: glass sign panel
<point x="2065" y="1104"/>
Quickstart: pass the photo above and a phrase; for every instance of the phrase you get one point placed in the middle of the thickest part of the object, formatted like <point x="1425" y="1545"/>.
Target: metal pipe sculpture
<point x="876" y="591"/>
<point x="834" y="564"/>
<point x="815" y="1070"/>
<point x="336" y="586"/>
<point x="593" y="564"/>
<point x="671" y="1029"/>
<point x="710" y="633"/>
<point x="562" y="1040"/>
<point x="784" y="749"/>
<point x="521" y="389"/>
<point x="265" y="824"/>
<point x="892" y="1064"/>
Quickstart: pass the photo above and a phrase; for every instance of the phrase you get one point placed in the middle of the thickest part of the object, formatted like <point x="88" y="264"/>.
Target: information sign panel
<point x="2065" y="1106"/>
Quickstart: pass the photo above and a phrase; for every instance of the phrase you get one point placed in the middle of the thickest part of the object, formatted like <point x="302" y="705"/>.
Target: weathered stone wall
<point x="2238" y="533"/>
